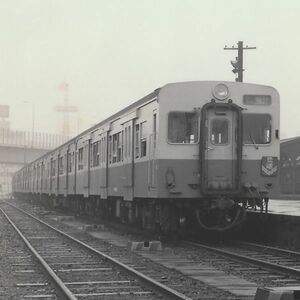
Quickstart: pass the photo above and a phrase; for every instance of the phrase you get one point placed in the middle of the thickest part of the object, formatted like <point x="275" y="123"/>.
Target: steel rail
<point x="58" y="282"/>
<point x="253" y="261"/>
<point x="279" y="250"/>
<point x="149" y="281"/>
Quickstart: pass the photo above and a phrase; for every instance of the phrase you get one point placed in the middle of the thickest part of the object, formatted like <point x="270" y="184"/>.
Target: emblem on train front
<point x="269" y="165"/>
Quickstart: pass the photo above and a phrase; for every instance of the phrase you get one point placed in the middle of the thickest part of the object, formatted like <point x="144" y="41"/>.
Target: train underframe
<point x="162" y="215"/>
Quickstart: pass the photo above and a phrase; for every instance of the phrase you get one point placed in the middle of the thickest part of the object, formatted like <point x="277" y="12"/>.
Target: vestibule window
<point x="53" y="167"/>
<point x="256" y="129"/>
<point x="95" y="154"/>
<point x="80" y="159"/>
<point x="143" y="139"/>
<point x="219" y="131"/>
<point x="60" y="165"/>
<point x="183" y="127"/>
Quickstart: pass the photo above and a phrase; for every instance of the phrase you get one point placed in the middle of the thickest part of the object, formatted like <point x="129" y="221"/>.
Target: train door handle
<point x="210" y="148"/>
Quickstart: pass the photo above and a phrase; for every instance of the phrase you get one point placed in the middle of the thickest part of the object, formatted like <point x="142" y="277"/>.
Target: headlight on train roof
<point x="221" y="91"/>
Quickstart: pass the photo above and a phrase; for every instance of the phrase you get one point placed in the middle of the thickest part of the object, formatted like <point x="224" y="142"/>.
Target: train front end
<point x="237" y="145"/>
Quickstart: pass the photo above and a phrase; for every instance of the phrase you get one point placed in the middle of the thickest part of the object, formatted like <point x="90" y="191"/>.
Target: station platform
<point x="284" y="207"/>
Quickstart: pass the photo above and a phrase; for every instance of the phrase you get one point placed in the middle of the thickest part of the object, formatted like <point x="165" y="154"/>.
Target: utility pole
<point x="238" y="63"/>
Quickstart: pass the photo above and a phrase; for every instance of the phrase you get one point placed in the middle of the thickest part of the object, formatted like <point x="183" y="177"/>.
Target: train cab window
<point x="183" y="127"/>
<point x="219" y="131"/>
<point x="256" y="129"/>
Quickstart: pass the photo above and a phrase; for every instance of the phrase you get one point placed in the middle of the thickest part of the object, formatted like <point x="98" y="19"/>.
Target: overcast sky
<point x="113" y="52"/>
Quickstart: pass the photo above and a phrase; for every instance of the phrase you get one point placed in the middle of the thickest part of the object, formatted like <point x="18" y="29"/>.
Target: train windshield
<point x="183" y="127"/>
<point x="256" y="129"/>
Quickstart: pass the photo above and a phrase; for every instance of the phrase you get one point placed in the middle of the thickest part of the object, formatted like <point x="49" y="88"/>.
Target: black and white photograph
<point x="149" y="149"/>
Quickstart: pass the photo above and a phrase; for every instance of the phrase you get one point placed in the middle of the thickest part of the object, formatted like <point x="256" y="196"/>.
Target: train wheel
<point x="217" y="219"/>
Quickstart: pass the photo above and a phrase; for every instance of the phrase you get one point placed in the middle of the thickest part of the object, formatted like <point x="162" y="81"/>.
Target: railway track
<point x="280" y="266"/>
<point x="78" y="270"/>
<point x="238" y="276"/>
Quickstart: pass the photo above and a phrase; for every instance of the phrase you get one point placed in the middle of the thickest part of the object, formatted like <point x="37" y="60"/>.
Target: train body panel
<point x="193" y="142"/>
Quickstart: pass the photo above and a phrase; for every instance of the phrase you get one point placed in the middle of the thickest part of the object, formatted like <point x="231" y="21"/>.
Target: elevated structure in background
<point x="20" y="147"/>
<point x="4" y="114"/>
<point x="30" y="140"/>
<point x="66" y="108"/>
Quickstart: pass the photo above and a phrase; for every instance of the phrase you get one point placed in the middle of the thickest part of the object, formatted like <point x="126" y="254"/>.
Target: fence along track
<point x="151" y="283"/>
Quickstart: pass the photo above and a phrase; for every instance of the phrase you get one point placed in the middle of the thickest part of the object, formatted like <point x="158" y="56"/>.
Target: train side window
<point x="117" y="147"/>
<point x="60" y="165"/>
<point x="69" y="162"/>
<point x="110" y="149"/>
<point x="122" y="145"/>
<point x="53" y="167"/>
<point x="183" y="127"/>
<point x="137" y="140"/>
<point x="143" y="140"/>
<point x="100" y="151"/>
<point x="129" y="141"/>
<point x="219" y="131"/>
<point x="73" y="160"/>
<point x="86" y="154"/>
<point x="95" y="154"/>
<point x="154" y="130"/>
<point x="125" y="142"/>
<point x="114" y="149"/>
<point x="256" y="129"/>
<point x="105" y="150"/>
<point x="80" y="159"/>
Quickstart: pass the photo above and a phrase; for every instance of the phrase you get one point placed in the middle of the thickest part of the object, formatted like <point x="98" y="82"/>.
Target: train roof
<point x="112" y="117"/>
<point x="144" y="100"/>
<point x="215" y="82"/>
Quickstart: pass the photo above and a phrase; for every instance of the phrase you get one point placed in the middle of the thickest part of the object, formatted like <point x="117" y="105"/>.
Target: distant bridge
<point x="18" y="148"/>
<point x="21" y="147"/>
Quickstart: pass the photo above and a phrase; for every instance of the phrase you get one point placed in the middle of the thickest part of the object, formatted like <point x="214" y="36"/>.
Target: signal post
<point x="238" y="63"/>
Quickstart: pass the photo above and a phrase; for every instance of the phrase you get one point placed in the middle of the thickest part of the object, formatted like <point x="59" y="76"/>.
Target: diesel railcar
<point x="202" y="150"/>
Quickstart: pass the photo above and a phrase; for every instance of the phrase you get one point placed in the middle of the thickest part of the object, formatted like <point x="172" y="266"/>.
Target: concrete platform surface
<point x="284" y="207"/>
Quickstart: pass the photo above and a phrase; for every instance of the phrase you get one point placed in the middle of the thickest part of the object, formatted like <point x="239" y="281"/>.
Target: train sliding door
<point x="220" y="149"/>
<point x="152" y="162"/>
<point x="128" y="157"/>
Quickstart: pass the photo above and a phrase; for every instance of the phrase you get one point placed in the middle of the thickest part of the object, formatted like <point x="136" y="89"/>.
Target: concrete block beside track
<point x="91" y="227"/>
<point x="144" y="246"/>
<point x="64" y="218"/>
<point x="278" y="293"/>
